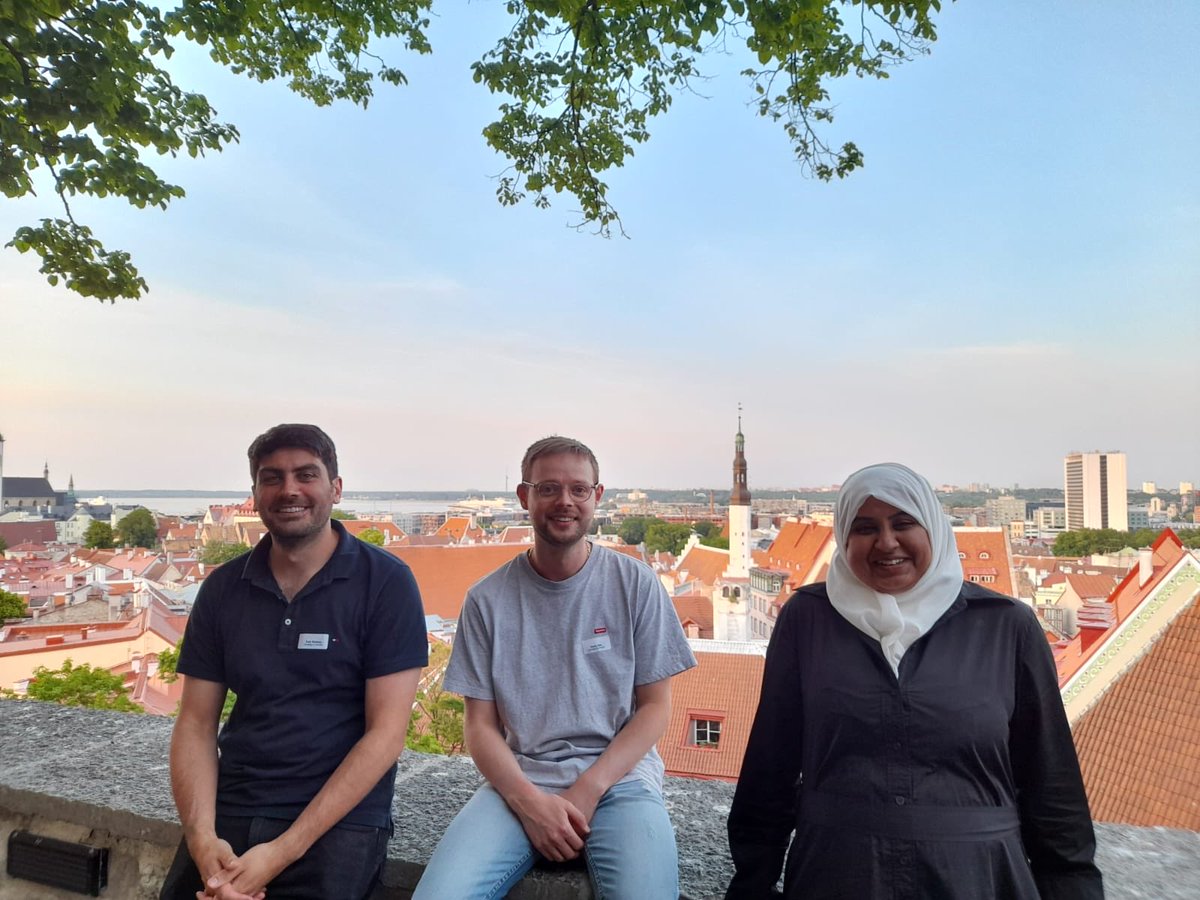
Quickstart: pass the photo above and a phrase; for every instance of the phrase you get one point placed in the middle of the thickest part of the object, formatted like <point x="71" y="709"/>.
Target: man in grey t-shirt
<point x="565" y="657"/>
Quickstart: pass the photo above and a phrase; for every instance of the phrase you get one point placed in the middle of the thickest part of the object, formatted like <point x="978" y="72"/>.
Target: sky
<point x="1014" y="275"/>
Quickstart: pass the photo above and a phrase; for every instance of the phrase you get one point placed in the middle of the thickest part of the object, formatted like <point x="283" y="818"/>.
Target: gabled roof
<point x="701" y="563"/>
<point x="985" y="553"/>
<point x="634" y="550"/>
<point x="516" y="534"/>
<point x="459" y="527"/>
<point x="723" y="687"/>
<point x="1101" y="620"/>
<point x="1085" y="586"/>
<point x="390" y="530"/>
<point x="695" y="609"/>
<point x="1139" y="744"/>
<point x="444" y="573"/>
<point x="19" y="487"/>
<point x="800" y="549"/>
<point x="425" y="540"/>
<point x="39" y="530"/>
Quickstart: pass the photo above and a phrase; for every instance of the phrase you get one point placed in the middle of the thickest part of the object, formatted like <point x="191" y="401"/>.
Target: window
<point x="983" y="554"/>
<point x="704" y="732"/>
<point x="961" y="555"/>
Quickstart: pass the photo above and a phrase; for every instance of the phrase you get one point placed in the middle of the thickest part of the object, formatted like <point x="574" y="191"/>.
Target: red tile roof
<point x="1086" y="587"/>
<point x="986" y="554"/>
<point x="444" y="573"/>
<point x="459" y="528"/>
<point x="1071" y="656"/>
<point x="517" y="534"/>
<point x="695" y="609"/>
<point x="799" y="550"/>
<point x="701" y="563"/>
<point x="1139" y="745"/>
<point x="390" y="530"/>
<point x="723" y="687"/>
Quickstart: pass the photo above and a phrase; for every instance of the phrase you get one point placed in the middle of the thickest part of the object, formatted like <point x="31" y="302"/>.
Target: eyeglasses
<point x="552" y="490"/>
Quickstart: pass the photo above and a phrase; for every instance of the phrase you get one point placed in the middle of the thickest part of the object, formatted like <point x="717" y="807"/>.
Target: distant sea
<point x="196" y="506"/>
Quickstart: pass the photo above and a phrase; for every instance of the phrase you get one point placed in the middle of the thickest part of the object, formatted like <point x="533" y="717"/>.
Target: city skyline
<point x="1013" y="276"/>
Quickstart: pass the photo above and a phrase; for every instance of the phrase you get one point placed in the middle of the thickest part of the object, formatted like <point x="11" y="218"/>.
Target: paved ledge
<point x="101" y="778"/>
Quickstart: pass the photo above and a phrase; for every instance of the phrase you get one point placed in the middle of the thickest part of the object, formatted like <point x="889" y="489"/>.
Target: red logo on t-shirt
<point x="600" y="630"/>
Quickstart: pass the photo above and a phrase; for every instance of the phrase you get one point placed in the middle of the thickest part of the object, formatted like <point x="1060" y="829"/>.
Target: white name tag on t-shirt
<point x="313" y="642"/>
<point x="596" y="643"/>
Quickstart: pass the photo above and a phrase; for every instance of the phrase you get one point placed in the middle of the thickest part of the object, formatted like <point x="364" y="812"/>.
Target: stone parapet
<point x="101" y="778"/>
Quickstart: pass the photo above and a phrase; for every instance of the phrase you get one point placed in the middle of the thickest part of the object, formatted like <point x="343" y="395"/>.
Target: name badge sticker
<point x="313" y="642"/>
<point x="597" y="642"/>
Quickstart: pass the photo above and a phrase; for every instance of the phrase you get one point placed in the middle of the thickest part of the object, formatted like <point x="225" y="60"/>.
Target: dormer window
<point x="961" y="555"/>
<point x="704" y="732"/>
<point x="983" y="554"/>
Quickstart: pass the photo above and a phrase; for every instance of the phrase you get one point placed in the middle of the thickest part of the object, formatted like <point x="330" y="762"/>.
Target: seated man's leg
<point x="183" y="878"/>
<point x="481" y="856"/>
<point x="631" y="851"/>
<point x="345" y="862"/>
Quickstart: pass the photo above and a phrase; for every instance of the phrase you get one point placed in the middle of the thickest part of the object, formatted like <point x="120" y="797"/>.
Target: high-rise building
<point x="1095" y="488"/>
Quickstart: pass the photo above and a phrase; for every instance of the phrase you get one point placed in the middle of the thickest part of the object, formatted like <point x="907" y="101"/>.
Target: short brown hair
<point x="552" y="446"/>
<point x="293" y="437"/>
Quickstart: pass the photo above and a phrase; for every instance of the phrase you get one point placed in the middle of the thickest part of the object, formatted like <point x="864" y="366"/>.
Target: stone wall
<point x="101" y="778"/>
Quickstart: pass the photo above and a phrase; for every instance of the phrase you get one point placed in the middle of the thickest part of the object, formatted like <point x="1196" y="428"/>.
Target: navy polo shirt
<point x="299" y="671"/>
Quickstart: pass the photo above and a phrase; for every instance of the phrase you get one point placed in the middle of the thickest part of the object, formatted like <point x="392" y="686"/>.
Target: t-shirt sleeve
<point x="469" y="672"/>
<point x="396" y="638"/>
<point x="201" y="655"/>
<point x="659" y="642"/>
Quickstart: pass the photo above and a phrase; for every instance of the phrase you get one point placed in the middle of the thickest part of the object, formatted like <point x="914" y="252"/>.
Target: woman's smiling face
<point x="887" y="549"/>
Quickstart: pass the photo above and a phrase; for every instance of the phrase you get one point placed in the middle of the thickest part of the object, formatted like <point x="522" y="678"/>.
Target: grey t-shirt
<point x="561" y="659"/>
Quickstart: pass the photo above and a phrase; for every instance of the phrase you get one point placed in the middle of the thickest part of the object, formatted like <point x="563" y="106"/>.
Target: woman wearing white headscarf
<point x="910" y="729"/>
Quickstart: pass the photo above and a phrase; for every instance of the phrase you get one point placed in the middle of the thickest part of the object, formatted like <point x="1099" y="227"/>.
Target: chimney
<point x="1145" y="565"/>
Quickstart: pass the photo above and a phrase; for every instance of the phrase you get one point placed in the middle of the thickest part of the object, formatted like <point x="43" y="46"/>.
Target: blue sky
<point x="1014" y="274"/>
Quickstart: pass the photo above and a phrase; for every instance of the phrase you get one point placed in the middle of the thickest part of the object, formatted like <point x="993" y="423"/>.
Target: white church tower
<point x="731" y="597"/>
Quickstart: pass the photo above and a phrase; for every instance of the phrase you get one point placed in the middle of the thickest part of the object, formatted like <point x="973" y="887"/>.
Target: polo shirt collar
<point x="341" y="565"/>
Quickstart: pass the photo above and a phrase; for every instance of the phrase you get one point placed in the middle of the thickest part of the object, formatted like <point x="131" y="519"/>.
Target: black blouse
<point x="956" y="780"/>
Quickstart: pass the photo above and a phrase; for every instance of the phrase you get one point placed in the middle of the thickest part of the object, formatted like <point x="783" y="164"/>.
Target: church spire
<point x="46" y="470"/>
<point x="740" y="496"/>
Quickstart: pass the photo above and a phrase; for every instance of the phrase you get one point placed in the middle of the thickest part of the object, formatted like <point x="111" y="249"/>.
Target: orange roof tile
<point x="723" y="687"/>
<point x="517" y="534"/>
<point x="799" y="550"/>
<point x="455" y="527"/>
<point x="696" y="609"/>
<point x="390" y="530"/>
<point x="986" y="553"/>
<point x="444" y="573"/>
<point x="705" y="564"/>
<point x="1071" y="656"/>
<point x="1139" y="745"/>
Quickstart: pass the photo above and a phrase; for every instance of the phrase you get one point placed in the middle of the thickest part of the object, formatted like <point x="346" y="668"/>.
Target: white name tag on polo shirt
<point x="597" y="642"/>
<point x="313" y="642"/>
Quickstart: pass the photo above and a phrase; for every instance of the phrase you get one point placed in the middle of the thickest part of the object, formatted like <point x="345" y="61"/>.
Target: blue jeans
<point x="630" y="851"/>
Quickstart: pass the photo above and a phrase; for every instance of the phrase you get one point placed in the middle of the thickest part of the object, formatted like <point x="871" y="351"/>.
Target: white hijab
<point x="895" y="621"/>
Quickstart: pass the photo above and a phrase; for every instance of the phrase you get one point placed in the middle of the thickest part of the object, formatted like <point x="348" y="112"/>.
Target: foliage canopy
<point x="371" y="536"/>
<point x="12" y="606"/>
<point x="217" y="552"/>
<point x="1087" y="541"/>
<point x="84" y="91"/>
<point x="72" y="685"/>
<point x="138" y="529"/>
<point x="99" y="535"/>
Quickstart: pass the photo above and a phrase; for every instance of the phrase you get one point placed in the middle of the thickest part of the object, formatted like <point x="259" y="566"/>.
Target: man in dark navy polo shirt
<point x="322" y="637"/>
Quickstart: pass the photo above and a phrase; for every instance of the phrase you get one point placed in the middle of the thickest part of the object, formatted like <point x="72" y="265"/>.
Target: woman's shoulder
<point x="806" y="600"/>
<point x="982" y="599"/>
